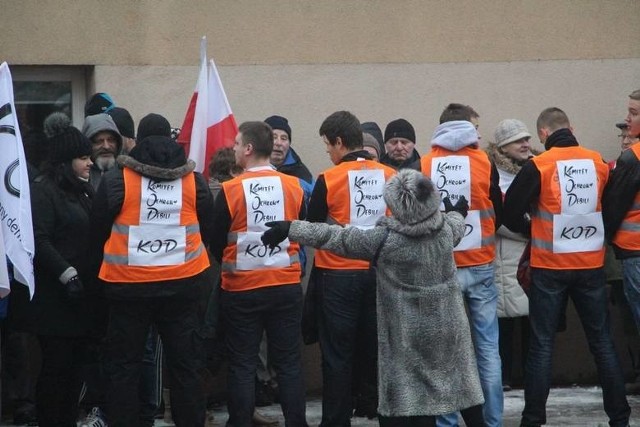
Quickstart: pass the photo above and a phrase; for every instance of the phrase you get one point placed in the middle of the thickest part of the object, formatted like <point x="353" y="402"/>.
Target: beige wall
<point x="248" y="32"/>
<point x="593" y="93"/>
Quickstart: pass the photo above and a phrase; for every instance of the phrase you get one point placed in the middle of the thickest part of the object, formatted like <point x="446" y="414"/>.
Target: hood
<point x="426" y="227"/>
<point x="411" y="197"/>
<point x="158" y="157"/>
<point x="455" y="135"/>
<point x="292" y="158"/>
<point x="101" y="123"/>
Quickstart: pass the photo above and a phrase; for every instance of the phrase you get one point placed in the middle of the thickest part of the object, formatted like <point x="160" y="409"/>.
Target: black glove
<point x="277" y="233"/>
<point x="461" y="206"/>
<point x="74" y="288"/>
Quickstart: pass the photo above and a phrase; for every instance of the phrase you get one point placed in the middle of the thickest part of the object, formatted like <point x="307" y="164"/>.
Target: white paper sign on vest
<point x="578" y="228"/>
<point x="159" y="239"/>
<point x="264" y="199"/>
<point x="366" y="200"/>
<point x="452" y="178"/>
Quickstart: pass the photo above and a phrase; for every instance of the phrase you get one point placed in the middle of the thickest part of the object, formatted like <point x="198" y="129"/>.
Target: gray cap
<point x="510" y="130"/>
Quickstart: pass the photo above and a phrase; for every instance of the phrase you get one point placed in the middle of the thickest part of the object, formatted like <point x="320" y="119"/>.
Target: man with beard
<point x="106" y="143"/>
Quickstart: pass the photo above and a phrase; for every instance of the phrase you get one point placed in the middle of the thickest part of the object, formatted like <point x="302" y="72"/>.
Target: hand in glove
<point x="277" y="233"/>
<point x="74" y="288"/>
<point x="461" y="206"/>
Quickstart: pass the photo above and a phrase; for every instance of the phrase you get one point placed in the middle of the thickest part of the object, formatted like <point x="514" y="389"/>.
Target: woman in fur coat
<point x="426" y="361"/>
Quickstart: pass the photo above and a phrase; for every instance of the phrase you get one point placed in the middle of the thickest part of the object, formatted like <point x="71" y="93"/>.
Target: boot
<point x="167" y="406"/>
<point x="260" y="420"/>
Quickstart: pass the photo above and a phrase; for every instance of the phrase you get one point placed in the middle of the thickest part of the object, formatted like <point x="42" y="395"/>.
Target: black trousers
<point x="60" y="381"/>
<point x="176" y="319"/>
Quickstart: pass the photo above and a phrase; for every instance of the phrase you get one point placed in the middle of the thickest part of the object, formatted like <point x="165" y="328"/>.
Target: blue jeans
<point x="278" y="311"/>
<point x="631" y="279"/>
<point x="346" y="323"/>
<point x="549" y="290"/>
<point x="481" y="295"/>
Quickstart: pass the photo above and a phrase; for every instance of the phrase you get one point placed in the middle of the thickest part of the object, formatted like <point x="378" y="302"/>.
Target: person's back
<point x="260" y="286"/>
<point x="459" y="168"/>
<point x="158" y="202"/>
<point x="421" y="311"/>
<point x="350" y="194"/>
<point x="561" y="190"/>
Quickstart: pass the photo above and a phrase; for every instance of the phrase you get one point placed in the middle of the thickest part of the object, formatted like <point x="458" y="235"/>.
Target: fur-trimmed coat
<point x="512" y="301"/>
<point x="426" y="361"/>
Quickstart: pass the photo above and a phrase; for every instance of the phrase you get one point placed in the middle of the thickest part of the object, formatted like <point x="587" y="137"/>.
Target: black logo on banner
<point x="5" y="111"/>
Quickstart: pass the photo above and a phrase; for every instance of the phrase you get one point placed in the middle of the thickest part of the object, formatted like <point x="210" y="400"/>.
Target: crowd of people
<point x="151" y="278"/>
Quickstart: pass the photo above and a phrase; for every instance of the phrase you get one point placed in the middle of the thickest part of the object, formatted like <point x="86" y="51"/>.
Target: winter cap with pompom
<point x="65" y="141"/>
<point x="411" y="197"/>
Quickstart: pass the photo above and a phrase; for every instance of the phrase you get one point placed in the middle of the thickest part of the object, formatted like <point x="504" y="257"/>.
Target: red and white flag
<point x="209" y="123"/>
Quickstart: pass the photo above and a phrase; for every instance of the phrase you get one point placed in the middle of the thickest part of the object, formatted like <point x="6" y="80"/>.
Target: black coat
<point x="61" y="231"/>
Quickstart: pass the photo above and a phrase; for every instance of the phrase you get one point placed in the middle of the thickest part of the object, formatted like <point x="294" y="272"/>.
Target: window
<point x="41" y="90"/>
<point x="38" y="92"/>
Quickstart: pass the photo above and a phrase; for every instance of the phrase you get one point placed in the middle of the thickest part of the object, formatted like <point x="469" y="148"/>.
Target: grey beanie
<point x="369" y="140"/>
<point x="510" y="130"/>
<point x="411" y="197"/>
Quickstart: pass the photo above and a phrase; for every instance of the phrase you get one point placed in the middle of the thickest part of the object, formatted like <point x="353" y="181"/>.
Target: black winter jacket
<point x="61" y="231"/>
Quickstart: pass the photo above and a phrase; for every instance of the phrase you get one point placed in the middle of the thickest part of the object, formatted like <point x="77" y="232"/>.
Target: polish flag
<point x="209" y="123"/>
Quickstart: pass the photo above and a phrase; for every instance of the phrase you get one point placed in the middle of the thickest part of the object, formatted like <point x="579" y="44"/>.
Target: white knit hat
<point x="510" y="130"/>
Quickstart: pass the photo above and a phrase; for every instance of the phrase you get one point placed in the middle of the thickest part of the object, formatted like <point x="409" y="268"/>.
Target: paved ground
<point x="578" y="406"/>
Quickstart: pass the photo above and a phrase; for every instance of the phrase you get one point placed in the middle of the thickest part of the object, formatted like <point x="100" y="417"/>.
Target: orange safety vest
<point x="254" y="198"/>
<point x="448" y="171"/>
<point x="566" y="225"/>
<point x="156" y="235"/>
<point x="354" y="197"/>
<point x="628" y="235"/>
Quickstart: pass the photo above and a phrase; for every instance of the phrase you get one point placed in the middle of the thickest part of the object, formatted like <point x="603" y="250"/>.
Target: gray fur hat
<point x="411" y="197"/>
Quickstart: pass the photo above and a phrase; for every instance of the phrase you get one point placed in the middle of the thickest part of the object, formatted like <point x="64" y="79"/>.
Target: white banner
<point x="15" y="200"/>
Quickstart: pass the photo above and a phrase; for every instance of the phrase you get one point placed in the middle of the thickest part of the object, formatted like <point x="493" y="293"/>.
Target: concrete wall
<point x="253" y="32"/>
<point x="593" y="93"/>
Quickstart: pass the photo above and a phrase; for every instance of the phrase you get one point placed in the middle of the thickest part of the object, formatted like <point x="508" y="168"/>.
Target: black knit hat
<point x="400" y="128"/>
<point x="65" y="141"/>
<point x="99" y="103"/>
<point x="279" y="122"/>
<point x="153" y="125"/>
<point x="123" y="121"/>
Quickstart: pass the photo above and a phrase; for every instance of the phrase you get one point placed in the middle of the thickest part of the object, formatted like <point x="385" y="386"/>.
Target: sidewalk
<point x="578" y="406"/>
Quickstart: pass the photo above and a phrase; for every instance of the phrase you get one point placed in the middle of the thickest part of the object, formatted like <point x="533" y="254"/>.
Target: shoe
<point x="95" y="418"/>
<point x="632" y="389"/>
<point x="210" y="419"/>
<point x="506" y="387"/>
<point x="27" y="418"/>
<point x="261" y="420"/>
<point x="264" y="394"/>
